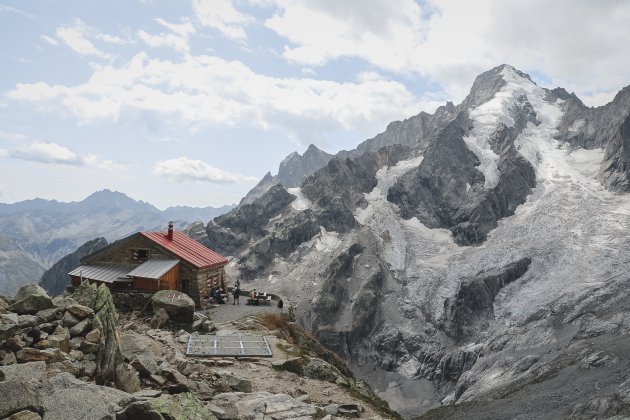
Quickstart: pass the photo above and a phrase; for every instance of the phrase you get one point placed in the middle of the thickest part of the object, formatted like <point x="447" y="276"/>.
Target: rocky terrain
<point x="77" y="356"/>
<point x="470" y="261"/>
<point x="35" y="234"/>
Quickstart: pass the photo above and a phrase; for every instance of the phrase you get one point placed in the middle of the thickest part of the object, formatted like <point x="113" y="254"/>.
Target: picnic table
<point x="260" y="297"/>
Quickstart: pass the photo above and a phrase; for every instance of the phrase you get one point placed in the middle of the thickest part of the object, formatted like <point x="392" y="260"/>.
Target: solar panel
<point x="228" y="345"/>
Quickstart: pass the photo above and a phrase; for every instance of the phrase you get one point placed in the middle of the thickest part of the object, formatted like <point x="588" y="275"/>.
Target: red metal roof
<point x="187" y="249"/>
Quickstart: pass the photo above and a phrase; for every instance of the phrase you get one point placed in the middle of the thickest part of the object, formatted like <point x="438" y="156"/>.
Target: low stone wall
<point x="132" y="300"/>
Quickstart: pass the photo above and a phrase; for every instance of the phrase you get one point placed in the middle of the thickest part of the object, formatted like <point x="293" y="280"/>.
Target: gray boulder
<point x="179" y="306"/>
<point x="18" y="395"/>
<point x="181" y="406"/>
<point x="65" y="397"/>
<point x="32" y="370"/>
<point x="127" y="378"/>
<point x="264" y="404"/>
<point x="31" y="304"/>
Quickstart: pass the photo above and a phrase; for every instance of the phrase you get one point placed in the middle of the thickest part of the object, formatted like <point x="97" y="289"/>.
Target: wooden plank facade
<point x="136" y="249"/>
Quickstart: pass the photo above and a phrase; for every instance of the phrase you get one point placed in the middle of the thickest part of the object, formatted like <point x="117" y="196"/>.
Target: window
<point x="140" y="254"/>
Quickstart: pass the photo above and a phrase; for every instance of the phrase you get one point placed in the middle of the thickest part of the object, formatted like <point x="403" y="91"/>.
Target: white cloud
<point x="12" y="136"/>
<point x="75" y="37"/>
<point x="53" y="153"/>
<point x="222" y="16"/>
<point x="188" y="170"/>
<point x="177" y="37"/>
<point x="206" y="90"/>
<point x="13" y="10"/>
<point x="450" y="41"/>
<point x="51" y="41"/>
<point x="46" y="153"/>
<point x="111" y="39"/>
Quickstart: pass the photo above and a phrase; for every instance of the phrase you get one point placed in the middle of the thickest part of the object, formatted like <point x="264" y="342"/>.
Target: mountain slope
<point x="55" y="279"/>
<point x="34" y="234"/>
<point x="469" y="260"/>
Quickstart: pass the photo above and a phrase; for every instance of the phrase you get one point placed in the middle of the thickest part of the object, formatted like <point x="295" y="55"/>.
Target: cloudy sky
<point x="192" y="102"/>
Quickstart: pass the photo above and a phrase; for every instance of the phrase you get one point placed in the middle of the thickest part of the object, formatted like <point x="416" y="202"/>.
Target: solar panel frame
<point x="228" y="346"/>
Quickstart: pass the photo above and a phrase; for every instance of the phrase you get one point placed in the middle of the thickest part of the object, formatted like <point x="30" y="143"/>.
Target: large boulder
<point x="109" y="354"/>
<point x="32" y="304"/>
<point x="180" y="406"/>
<point x="179" y="306"/>
<point x="18" y="395"/>
<point x="263" y="404"/>
<point x="65" y="397"/>
<point x="32" y="370"/>
<point x="30" y="290"/>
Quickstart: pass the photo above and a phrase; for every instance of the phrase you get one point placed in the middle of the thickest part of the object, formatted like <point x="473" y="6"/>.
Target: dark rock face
<point x="447" y="190"/>
<point x="293" y="170"/>
<point x="474" y="302"/>
<point x="614" y="172"/>
<point x="55" y="279"/>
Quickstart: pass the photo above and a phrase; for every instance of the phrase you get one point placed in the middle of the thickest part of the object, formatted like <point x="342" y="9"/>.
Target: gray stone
<point x="159" y="319"/>
<point x="65" y="397"/>
<point x="332" y="409"/>
<point x="182" y="406"/>
<point x="234" y="382"/>
<point x="14" y="343"/>
<point x="18" y="395"/>
<point x="94" y="336"/>
<point x="63" y="301"/>
<point x="69" y="320"/>
<point x="277" y="406"/>
<point x="25" y="415"/>
<point x="179" y="306"/>
<point x="34" y="355"/>
<point x="61" y="342"/>
<point x="8" y="330"/>
<point x="147" y="393"/>
<point x="31" y="370"/>
<point x="80" y="311"/>
<point x="9" y="318"/>
<point x="31" y="304"/>
<point x="7" y="358"/>
<point x="50" y="314"/>
<point x="81" y="327"/>
<point x="127" y="378"/>
<point x="27" y="321"/>
<point x="76" y="342"/>
<point x="30" y="290"/>
<point x="73" y="367"/>
<point x="89" y="367"/>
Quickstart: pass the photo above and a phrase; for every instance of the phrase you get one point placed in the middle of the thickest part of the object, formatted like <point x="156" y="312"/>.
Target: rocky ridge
<point x="485" y="241"/>
<point x="76" y="356"/>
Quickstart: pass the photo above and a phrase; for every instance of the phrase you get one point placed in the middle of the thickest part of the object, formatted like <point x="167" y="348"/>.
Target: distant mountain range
<point x="34" y="234"/>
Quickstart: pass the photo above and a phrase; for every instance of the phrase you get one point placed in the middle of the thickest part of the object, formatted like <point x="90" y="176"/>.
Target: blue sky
<point x="191" y="102"/>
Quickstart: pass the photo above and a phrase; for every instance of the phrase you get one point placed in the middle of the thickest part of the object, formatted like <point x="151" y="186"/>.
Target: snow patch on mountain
<point x="301" y="202"/>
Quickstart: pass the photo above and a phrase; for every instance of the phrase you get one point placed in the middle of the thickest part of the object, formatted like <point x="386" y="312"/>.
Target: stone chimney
<point x="169" y="234"/>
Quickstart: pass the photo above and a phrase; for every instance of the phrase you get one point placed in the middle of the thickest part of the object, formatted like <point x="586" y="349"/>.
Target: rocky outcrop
<point x="614" y="172"/>
<point x="55" y="279"/>
<point x="108" y="355"/>
<point x="473" y="304"/>
<point x="293" y="170"/>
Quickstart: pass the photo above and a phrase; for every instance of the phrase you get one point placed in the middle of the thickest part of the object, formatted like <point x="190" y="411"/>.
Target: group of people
<point x="216" y="296"/>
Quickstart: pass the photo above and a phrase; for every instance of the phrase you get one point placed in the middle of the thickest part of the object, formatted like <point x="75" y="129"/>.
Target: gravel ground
<point x="229" y="312"/>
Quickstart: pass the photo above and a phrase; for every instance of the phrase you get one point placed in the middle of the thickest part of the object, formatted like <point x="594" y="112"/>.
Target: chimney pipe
<point x="169" y="235"/>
